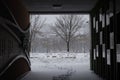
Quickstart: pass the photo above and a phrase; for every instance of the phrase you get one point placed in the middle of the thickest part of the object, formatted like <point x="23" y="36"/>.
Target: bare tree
<point x="37" y="22"/>
<point x="67" y="27"/>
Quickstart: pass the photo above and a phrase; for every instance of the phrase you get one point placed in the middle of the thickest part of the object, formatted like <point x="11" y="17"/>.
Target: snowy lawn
<point x="59" y="65"/>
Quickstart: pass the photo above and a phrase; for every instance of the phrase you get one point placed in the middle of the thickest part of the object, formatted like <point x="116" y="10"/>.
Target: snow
<point x="58" y="63"/>
<point x="81" y="58"/>
<point x="60" y="66"/>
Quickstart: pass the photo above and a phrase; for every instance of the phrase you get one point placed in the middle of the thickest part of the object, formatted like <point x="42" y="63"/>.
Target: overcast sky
<point x="50" y="19"/>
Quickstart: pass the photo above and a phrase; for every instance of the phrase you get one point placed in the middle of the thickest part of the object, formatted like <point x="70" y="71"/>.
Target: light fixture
<point x="57" y="6"/>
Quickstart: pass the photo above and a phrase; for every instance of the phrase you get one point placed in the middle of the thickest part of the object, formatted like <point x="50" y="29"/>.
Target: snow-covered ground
<point x="58" y="63"/>
<point x="60" y="66"/>
<point x="53" y="59"/>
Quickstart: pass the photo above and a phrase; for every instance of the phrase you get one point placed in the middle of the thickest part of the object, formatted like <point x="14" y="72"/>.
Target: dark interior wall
<point x="105" y="35"/>
<point x="13" y="40"/>
<point x="118" y="37"/>
<point x="19" y="12"/>
<point x="19" y="67"/>
<point x="98" y="43"/>
<point x="117" y="5"/>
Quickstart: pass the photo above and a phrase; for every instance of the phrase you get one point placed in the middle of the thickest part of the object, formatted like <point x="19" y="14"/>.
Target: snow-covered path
<point x="60" y="66"/>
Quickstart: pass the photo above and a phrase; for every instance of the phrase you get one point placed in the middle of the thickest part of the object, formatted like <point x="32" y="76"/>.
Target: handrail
<point x="12" y="61"/>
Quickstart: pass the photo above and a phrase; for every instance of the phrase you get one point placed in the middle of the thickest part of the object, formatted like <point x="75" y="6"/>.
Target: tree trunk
<point x="68" y="46"/>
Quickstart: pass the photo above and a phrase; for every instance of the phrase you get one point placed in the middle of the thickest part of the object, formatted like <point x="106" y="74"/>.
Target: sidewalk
<point x="83" y="75"/>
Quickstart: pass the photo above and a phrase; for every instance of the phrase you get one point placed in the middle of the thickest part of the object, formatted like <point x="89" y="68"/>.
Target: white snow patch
<point x="59" y="66"/>
<point x="58" y="63"/>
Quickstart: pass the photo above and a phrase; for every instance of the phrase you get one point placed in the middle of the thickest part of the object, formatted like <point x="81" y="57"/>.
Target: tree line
<point x="67" y="29"/>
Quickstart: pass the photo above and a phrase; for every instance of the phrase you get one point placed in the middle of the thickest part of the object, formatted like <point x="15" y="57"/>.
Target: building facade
<point x="105" y="49"/>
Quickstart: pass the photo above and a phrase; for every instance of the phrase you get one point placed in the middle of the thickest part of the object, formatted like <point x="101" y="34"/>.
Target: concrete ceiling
<point x="59" y="6"/>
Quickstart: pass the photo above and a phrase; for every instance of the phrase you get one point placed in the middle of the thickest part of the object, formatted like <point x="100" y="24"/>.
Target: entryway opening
<point x="60" y="47"/>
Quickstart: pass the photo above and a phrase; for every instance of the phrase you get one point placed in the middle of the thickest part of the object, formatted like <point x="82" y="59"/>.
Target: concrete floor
<point x="84" y="74"/>
<point x="60" y="68"/>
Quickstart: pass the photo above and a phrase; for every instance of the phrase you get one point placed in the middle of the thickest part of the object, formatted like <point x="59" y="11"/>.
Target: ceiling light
<point x="57" y="6"/>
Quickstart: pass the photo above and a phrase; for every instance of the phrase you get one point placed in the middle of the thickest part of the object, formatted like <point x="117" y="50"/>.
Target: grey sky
<point x="50" y="19"/>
